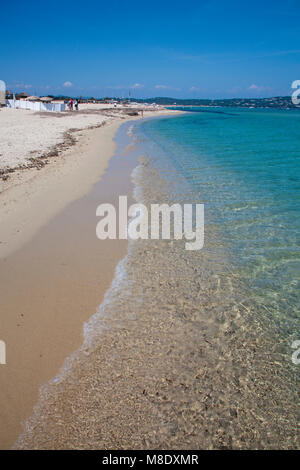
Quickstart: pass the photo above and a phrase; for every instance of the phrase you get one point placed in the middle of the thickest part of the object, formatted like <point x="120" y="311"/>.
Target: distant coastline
<point x="276" y="102"/>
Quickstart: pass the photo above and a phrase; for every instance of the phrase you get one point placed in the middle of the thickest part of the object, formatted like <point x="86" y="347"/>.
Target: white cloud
<point x="20" y="85"/>
<point x="258" y="88"/>
<point x="194" y="88"/>
<point x="68" y="84"/>
<point x="137" y="85"/>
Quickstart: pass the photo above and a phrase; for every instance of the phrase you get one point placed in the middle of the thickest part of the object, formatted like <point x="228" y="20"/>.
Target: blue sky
<point x="199" y="49"/>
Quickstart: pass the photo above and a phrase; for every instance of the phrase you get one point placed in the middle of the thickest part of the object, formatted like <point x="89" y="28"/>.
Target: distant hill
<point x="282" y="102"/>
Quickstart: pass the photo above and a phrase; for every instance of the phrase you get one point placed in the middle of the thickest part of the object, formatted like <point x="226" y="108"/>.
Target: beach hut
<point x="22" y="95"/>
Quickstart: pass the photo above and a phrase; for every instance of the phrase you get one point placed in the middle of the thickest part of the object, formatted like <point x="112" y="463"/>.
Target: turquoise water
<point x="245" y="166"/>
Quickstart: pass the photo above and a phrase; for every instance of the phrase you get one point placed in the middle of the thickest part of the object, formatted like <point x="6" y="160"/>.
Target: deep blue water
<point x="244" y="164"/>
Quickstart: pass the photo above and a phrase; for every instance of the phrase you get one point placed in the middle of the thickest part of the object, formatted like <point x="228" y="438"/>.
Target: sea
<point x="244" y="165"/>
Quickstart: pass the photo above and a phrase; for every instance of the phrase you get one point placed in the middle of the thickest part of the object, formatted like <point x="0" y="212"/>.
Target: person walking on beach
<point x="76" y="105"/>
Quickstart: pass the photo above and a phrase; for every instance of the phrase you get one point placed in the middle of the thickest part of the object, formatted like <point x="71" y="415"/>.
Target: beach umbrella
<point x="46" y="99"/>
<point x="32" y="98"/>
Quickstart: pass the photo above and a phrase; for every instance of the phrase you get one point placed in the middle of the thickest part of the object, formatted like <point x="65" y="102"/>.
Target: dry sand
<point x="29" y="197"/>
<point x="53" y="271"/>
<point x="23" y="134"/>
<point x="26" y="134"/>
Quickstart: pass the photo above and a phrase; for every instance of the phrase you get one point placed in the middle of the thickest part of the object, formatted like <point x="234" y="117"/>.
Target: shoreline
<point x="160" y="364"/>
<point x="53" y="272"/>
<point x="176" y="357"/>
<point x="25" y="196"/>
<point x="25" y="204"/>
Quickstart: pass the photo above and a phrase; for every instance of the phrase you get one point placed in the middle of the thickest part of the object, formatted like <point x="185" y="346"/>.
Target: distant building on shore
<point x="22" y="96"/>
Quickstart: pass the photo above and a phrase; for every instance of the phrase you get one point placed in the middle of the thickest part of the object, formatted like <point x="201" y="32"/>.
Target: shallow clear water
<point x="245" y="166"/>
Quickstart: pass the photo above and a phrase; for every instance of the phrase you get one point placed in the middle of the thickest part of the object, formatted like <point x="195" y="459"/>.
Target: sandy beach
<point x="53" y="271"/>
<point x="30" y="142"/>
<point x="128" y="345"/>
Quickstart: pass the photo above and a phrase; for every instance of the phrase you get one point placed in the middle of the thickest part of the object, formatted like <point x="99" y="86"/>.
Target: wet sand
<point x="53" y="270"/>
